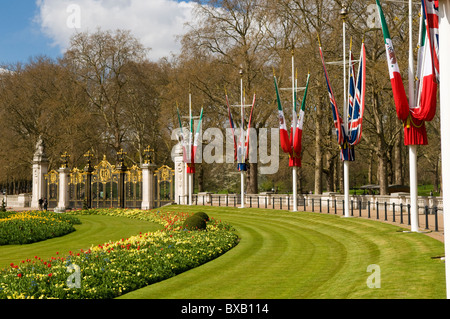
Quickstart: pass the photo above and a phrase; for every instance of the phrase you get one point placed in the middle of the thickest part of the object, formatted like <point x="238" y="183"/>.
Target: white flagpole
<point x="412" y="148"/>
<point x="444" y="48"/>
<point x="190" y="147"/>
<point x="294" y="129"/>
<point x="242" y="142"/>
<point x="346" y="163"/>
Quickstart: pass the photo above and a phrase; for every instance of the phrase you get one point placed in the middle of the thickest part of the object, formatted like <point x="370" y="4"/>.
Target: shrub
<point x="203" y="216"/>
<point x="194" y="222"/>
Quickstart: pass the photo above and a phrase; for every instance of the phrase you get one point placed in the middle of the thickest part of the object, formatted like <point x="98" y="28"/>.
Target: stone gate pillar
<point x="180" y="176"/>
<point x="40" y="169"/>
<point x="148" y="181"/>
<point x="64" y="179"/>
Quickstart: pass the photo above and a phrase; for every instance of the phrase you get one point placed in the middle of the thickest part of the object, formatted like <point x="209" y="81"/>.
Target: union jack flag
<point x="349" y="133"/>
<point x="357" y="91"/>
<point x="336" y="116"/>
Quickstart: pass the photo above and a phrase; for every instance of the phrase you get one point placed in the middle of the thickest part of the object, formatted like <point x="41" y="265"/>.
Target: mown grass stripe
<point x="307" y="255"/>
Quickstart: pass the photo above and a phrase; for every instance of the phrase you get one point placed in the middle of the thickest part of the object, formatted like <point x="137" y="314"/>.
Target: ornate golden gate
<point x="164" y="186"/>
<point x="105" y="185"/>
<point x="77" y="188"/>
<point x="52" y="179"/>
<point x="133" y="187"/>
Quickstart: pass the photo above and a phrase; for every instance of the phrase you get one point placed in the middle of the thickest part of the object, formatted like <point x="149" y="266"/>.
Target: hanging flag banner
<point x="242" y="146"/>
<point x="190" y="144"/>
<point x="357" y="94"/>
<point x="297" y="143"/>
<point x="349" y="132"/>
<point x="292" y="143"/>
<point x="427" y="76"/>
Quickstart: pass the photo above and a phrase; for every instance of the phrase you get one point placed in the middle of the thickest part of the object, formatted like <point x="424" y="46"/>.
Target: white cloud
<point x="156" y="23"/>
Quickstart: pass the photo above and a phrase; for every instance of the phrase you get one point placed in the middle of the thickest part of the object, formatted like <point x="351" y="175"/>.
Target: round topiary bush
<point x="194" y="222"/>
<point x="202" y="215"/>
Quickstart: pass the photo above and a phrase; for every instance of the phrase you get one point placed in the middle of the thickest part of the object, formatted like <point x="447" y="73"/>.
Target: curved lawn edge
<point x="110" y="269"/>
<point x="287" y="255"/>
<point x="28" y="227"/>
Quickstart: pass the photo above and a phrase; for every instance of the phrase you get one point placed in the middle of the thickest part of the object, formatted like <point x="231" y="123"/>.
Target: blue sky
<point x="21" y="37"/>
<point x="29" y="30"/>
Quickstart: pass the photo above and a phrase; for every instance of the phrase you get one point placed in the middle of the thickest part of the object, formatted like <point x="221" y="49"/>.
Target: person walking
<point x="40" y="202"/>
<point x="45" y="204"/>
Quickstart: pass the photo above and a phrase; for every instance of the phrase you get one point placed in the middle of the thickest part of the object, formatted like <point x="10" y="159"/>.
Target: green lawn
<point x="281" y="255"/>
<point x="312" y="256"/>
<point x="94" y="230"/>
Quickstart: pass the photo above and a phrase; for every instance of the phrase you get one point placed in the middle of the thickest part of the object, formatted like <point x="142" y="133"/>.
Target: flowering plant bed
<point x="19" y="228"/>
<point x="111" y="269"/>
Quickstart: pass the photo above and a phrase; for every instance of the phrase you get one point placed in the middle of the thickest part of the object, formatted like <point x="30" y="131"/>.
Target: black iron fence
<point x="430" y="217"/>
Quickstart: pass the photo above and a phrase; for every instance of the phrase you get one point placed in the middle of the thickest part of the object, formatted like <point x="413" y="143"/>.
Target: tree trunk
<point x="200" y="173"/>
<point x="252" y="179"/>
<point x="340" y="167"/>
<point x="330" y="172"/>
<point x="398" y="161"/>
<point x="382" y="167"/>
<point x="318" y="168"/>
<point x="370" y="170"/>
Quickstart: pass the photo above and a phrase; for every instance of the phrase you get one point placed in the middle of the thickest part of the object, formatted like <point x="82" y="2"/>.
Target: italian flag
<point x="193" y="148"/>
<point x="401" y="101"/>
<point x="301" y="118"/>
<point x="286" y="146"/>
<point x="428" y="64"/>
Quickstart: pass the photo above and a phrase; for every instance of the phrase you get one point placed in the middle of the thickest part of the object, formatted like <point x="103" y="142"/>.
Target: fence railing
<point x="430" y="217"/>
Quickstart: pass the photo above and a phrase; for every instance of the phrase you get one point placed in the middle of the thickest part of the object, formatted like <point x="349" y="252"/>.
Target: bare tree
<point x="99" y="60"/>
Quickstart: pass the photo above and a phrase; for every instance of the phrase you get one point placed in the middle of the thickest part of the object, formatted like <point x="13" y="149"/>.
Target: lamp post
<point x="344" y="13"/>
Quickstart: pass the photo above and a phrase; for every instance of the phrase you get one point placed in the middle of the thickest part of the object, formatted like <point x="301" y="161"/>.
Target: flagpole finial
<point x="318" y="39"/>
<point x="351" y="40"/>
<point x="343" y="12"/>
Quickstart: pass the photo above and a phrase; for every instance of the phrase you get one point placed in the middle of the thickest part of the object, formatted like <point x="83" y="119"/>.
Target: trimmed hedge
<point x="203" y="216"/>
<point x="194" y="222"/>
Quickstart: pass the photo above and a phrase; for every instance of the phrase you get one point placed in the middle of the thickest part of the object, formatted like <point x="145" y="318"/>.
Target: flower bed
<point x="33" y="226"/>
<point x="110" y="269"/>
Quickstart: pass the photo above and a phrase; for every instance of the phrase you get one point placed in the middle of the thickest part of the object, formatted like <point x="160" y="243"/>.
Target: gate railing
<point x="164" y="186"/>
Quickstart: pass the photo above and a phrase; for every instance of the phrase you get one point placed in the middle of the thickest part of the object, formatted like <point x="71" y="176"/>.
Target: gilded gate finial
<point x="65" y="160"/>
<point x="148" y="155"/>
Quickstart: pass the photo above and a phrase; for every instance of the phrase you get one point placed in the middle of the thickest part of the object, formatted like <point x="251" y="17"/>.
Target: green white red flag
<point x="398" y="90"/>
<point x="425" y="95"/>
<point x="292" y="143"/>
